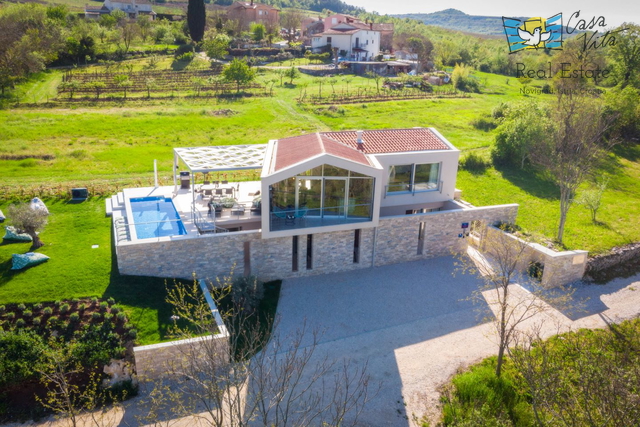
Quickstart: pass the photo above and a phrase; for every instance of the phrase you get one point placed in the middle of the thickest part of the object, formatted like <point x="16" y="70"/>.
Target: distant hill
<point x="454" y="19"/>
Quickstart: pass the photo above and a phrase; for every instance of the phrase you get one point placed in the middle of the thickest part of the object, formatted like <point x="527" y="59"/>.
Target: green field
<point x="48" y="147"/>
<point x="120" y="139"/>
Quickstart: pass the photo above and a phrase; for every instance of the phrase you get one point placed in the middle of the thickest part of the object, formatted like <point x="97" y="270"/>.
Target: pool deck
<point x="183" y="200"/>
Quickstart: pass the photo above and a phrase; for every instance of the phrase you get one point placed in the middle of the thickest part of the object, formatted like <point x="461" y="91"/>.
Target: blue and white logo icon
<point x="533" y="33"/>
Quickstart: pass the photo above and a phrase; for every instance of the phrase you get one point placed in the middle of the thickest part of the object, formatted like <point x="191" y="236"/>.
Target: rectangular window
<point x="356" y="247"/>
<point x="421" y="238"/>
<point x="399" y="178"/>
<point x="294" y="254"/>
<point x="309" y="251"/>
<point x="414" y="177"/>
<point x="328" y="39"/>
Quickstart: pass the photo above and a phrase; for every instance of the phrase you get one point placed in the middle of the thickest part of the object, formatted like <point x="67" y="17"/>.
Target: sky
<point x="615" y="12"/>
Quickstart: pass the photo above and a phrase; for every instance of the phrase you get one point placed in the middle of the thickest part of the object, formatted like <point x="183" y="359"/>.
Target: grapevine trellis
<point x="371" y="95"/>
<point x="152" y="81"/>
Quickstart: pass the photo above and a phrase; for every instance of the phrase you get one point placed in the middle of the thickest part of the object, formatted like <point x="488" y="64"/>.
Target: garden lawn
<point x="116" y="140"/>
<point x="77" y="270"/>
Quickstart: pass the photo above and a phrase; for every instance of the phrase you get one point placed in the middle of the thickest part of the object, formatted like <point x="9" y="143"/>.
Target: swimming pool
<point x="155" y="217"/>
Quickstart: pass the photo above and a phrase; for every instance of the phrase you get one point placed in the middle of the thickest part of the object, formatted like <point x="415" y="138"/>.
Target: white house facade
<point x="354" y="41"/>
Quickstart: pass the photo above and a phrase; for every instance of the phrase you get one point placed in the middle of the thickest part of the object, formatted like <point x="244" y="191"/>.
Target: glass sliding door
<point x="309" y="195"/>
<point x="334" y="197"/>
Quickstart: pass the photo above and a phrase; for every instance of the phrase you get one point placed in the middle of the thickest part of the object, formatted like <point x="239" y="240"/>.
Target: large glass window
<point x="413" y="177"/>
<point x="324" y="195"/>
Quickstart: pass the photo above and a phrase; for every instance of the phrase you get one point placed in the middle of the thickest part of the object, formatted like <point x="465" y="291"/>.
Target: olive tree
<point x="28" y="220"/>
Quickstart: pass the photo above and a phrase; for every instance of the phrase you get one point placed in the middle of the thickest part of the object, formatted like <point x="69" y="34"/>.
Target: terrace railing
<point x="305" y="217"/>
<point x="204" y="225"/>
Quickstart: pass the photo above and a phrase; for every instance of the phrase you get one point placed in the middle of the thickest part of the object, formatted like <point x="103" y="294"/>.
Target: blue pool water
<point x="156" y="217"/>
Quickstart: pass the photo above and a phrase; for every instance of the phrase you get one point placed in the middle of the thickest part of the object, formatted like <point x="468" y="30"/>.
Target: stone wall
<point x="173" y="357"/>
<point x="394" y="240"/>
<point x="560" y="268"/>
<point x="209" y="256"/>
<point x="397" y="239"/>
<point x="618" y="256"/>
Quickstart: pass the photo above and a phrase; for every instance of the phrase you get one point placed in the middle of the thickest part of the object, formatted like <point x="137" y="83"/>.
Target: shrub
<point x="36" y="321"/>
<point x="20" y="323"/>
<point x="115" y="309"/>
<point x="64" y="308"/>
<point x="108" y="317"/>
<point x="94" y="300"/>
<point x="111" y="301"/>
<point x="82" y="307"/>
<point x="48" y="311"/>
<point x="122" y="317"/>
<point x="58" y="303"/>
<point x="247" y="292"/>
<point x="27" y="313"/>
<point x="96" y="315"/>
<point x="74" y="317"/>
<point x="37" y="306"/>
<point x="535" y="270"/>
<point x="104" y="305"/>
<point x="20" y="356"/>
<point x="10" y="315"/>
<point x="75" y="300"/>
<point x="2" y="309"/>
<point x="21" y="307"/>
<point x="473" y="162"/>
<point x="484" y="124"/>
<point x="187" y="56"/>
<point x="133" y="333"/>
<point x="53" y="321"/>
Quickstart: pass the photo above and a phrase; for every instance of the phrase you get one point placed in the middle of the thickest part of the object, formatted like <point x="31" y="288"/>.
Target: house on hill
<point x="325" y="202"/>
<point x="356" y="41"/>
<point x="133" y="8"/>
<point x="247" y="12"/>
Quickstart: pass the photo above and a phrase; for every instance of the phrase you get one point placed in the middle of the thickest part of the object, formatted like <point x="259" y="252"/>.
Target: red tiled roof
<point x="391" y="140"/>
<point x="290" y="151"/>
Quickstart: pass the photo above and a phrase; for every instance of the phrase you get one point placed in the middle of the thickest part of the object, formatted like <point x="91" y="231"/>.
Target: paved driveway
<point x="415" y="326"/>
<point x="405" y="320"/>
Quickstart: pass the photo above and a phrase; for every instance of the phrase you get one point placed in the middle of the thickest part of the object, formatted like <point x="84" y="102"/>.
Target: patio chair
<point x="208" y="192"/>
<point x="216" y="183"/>
<point x="206" y="183"/>
<point x="229" y="191"/>
<point x="225" y="182"/>
<point x="218" y="191"/>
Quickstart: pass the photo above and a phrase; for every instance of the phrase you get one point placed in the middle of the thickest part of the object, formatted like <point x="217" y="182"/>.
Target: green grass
<point x="569" y="364"/>
<point x="76" y="270"/>
<point x="117" y="139"/>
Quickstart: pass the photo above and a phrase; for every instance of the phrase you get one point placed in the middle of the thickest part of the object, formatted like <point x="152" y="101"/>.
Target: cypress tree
<point x="196" y="18"/>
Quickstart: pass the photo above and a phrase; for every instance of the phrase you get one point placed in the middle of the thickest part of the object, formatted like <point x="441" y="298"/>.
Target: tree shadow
<point x="530" y="181"/>
<point x="628" y="151"/>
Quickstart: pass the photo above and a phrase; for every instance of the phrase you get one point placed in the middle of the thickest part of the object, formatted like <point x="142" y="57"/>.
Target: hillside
<point x="454" y="19"/>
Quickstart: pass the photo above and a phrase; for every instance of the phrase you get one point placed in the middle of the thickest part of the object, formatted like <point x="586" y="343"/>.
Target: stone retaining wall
<point x="395" y="240"/>
<point x="173" y="357"/>
<point x="560" y="268"/>
<point x="619" y="255"/>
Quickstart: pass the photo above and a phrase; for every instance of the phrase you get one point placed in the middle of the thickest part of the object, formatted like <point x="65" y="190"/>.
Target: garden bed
<point x="78" y="337"/>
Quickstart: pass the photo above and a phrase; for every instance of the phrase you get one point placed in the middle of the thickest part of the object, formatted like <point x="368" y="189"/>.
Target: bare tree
<point x="29" y="221"/>
<point x="512" y="296"/>
<point x="576" y="147"/>
<point x="253" y="378"/>
<point x="290" y="20"/>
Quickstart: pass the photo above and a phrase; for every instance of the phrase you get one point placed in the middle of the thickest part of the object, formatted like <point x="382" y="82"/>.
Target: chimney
<point x="359" y="140"/>
<point x="371" y="25"/>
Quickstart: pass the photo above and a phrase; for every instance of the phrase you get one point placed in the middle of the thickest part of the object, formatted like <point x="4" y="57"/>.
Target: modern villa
<point x="325" y="202"/>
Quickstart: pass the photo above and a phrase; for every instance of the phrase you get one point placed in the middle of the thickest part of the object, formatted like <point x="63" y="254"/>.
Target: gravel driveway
<point x="414" y="325"/>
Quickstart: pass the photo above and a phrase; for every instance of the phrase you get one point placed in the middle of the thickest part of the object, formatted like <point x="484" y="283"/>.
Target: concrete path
<point x="415" y="326"/>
